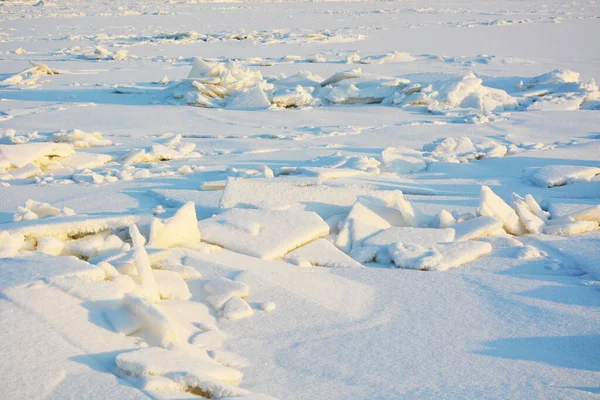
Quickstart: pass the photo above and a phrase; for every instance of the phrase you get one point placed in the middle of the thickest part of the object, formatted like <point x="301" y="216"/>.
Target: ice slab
<point x="437" y="257"/>
<point x="560" y="175"/>
<point x="267" y="234"/>
<point x="276" y="194"/>
<point x="322" y="253"/>
<point x="477" y="227"/>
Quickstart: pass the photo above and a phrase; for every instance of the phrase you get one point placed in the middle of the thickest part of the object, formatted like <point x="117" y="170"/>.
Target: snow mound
<point x="266" y="234"/>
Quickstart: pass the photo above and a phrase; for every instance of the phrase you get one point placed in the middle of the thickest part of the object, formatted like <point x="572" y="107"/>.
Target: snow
<point x="191" y="190"/>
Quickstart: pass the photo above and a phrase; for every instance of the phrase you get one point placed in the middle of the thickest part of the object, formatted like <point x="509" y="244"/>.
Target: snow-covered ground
<point x="299" y="200"/>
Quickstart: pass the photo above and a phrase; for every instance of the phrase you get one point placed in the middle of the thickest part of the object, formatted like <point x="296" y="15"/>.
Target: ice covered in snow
<point x="221" y="290"/>
<point x="366" y="218"/>
<point x="169" y="147"/>
<point x="421" y="236"/>
<point x="34" y="210"/>
<point x="491" y="205"/>
<point x="438" y="256"/>
<point x="79" y="138"/>
<point x="321" y="253"/>
<point x="171" y="285"/>
<point x="237" y="308"/>
<point x="30" y="76"/>
<point x="477" y="227"/>
<point x="143" y="265"/>
<point x="177" y="231"/>
<point x="346" y="137"/>
<point x="462" y="92"/>
<point x="203" y="373"/>
<point x="20" y="155"/>
<point x="560" y="175"/>
<point x="570" y="228"/>
<point x="266" y="234"/>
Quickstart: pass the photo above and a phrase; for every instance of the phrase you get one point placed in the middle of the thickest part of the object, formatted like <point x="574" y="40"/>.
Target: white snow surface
<point x="299" y="199"/>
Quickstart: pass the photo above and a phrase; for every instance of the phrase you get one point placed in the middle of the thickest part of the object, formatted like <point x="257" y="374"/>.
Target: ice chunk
<point x="266" y="234"/>
<point x="37" y="266"/>
<point x="203" y="373"/>
<point x="171" y="285"/>
<point x="267" y="306"/>
<point x="366" y="218"/>
<point x="28" y="170"/>
<point x="559" y="175"/>
<point x="531" y="222"/>
<point x="142" y="262"/>
<point x="297" y="97"/>
<point x="186" y="272"/>
<point x="85" y="160"/>
<point x="588" y="214"/>
<point x="421" y="236"/>
<point x="79" y="138"/>
<point x="392" y="57"/>
<point x="221" y="290"/>
<point x="237" y="308"/>
<point x="50" y="245"/>
<point x="535" y="208"/>
<point x="402" y="160"/>
<point x="464" y="92"/>
<point x="227" y="286"/>
<point x="492" y="205"/>
<point x="152" y="318"/>
<point x="176" y="231"/>
<point x="477" y="227"/>
<point x="570" y="228"/>
<point x="76" y="225"/>
<point x="321" y="253"/>
<point x="123" y="321"/>
<point x="437" y="257"/>
<point x="266" y="193"/>
<point x="19" y="155"/>
<point x="252" y="99"/>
